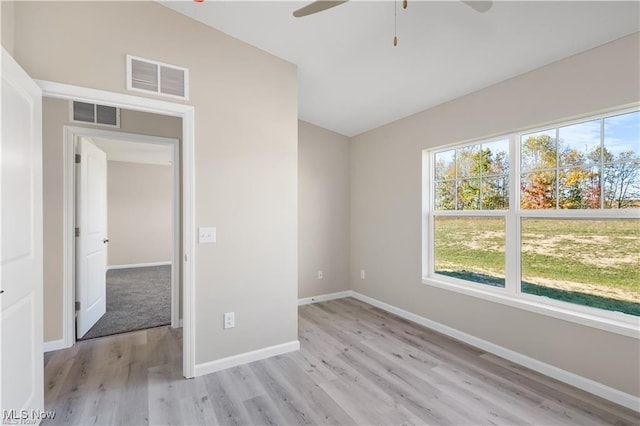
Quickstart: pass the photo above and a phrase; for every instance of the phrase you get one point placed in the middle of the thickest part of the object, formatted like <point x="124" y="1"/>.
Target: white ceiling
<point x="135" y="152"/>
<point x="352" y="79"/>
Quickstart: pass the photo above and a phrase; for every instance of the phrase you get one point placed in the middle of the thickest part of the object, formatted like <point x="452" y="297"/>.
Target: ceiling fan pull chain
<point x="395" y="23"/>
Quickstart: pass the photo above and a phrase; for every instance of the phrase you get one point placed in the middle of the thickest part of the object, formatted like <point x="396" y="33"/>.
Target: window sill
<point x="626" y="325"/>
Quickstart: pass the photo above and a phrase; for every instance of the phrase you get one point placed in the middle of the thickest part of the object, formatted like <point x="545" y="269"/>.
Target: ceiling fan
<point x="322" y="5"/>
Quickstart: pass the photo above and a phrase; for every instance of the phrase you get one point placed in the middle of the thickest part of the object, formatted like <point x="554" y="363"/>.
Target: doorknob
<point x="105" y="240"/>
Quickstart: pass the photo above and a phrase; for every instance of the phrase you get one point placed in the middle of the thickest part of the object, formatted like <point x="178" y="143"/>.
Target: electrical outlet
<point x="362" y="275"/>
<point x="229" y="320"/>
<point x="320" y="275"/>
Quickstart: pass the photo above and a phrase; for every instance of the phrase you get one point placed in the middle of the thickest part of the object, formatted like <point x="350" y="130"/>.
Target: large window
<point x="551" y="215"/>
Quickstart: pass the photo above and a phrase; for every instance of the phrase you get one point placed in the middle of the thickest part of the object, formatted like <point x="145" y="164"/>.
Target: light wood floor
<point x="357" y="365"/>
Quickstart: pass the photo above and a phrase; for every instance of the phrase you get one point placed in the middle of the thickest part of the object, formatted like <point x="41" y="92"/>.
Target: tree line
<point x="478" y="178"/>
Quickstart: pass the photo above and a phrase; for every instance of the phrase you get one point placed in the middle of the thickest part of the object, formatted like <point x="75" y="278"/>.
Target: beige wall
<point x="386" y="208"/>
<point x="245" y="150"/>
<point x="6" y="10"/>
<point x="139" y="210"/>
<point x="323" y="210"/>
<point x="55" y="115"/>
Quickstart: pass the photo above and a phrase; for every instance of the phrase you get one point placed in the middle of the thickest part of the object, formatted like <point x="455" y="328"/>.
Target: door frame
<point x="187" y="169"/>
<point x="69" y="200"/>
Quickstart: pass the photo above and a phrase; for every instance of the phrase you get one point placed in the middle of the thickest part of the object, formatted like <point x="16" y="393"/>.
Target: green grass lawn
<point x="589" y="262"/>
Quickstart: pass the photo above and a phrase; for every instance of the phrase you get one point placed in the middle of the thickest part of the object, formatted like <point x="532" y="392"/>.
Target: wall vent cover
<point x="145" y="75"/>
<point x="83" y="112"/>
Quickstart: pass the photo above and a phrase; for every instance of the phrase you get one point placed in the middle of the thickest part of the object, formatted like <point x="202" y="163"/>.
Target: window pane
<point x="621" y="185"/>
<point x="495" y="193"/>
<point x="445" y="165"/>
<point x="468" y="194"/>
<point x="579" y="188"/>
<point x="588" y="262"/>
<point x="468" y="161"/>
<point x="622" y="136"/>
<point x="538" y="190"/>
<point x="538" y="150"/>
<point x="579" y="143"/>
<point x="470" y="249"/>
<point x="445" y="194"/>
<point x="495" y="158"/>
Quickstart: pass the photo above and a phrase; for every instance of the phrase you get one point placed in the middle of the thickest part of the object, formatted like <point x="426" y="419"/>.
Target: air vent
<point x="144" y="75"/>
<point x="95" y="114"/>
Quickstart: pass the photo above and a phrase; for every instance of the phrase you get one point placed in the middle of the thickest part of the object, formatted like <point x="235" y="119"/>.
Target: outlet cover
<point x="229" y="320"/>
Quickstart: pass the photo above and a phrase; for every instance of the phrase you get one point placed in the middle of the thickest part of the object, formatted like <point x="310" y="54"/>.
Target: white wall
<point x="139" y="210"/>
<point x="323" y="211"/>
<point x="386" y="206"/>
<point x="245" y="104"/>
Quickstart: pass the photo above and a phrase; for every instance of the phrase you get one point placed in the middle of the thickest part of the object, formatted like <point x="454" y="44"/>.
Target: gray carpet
<point x="137" y="298"/>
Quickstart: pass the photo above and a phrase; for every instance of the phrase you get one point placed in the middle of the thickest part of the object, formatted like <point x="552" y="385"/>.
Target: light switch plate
<point x="206" y="234"/>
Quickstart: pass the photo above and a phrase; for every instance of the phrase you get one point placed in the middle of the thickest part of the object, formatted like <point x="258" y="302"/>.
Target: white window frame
<point x="511" y="294"/>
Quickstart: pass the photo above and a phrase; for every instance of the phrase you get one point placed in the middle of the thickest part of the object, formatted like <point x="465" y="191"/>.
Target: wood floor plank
<point x="164" y="397"/>
<point x="568" y="393"/>
<point x="311" y="363"/>
<point x="264" y="412"/>
<point x="228" y="404"/>
<point x="133" y="407"/>
<point x="243" y="382"/>
<point x="289" y="403"/>
<point x="366" y="405"/>
<point x="196" y="405"/>
<point x="70" y="403"/>
<point x="327" y="411"/>
<point x="357" y="365"/>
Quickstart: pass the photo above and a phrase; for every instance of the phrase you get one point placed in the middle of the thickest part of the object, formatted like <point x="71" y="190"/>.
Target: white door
<point x="21" y="360"/>
<point x="91" y="219"/>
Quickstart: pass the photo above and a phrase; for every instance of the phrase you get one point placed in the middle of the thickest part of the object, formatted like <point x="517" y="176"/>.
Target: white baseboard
<point x="138" y="265"/>
<point x="614" y="395"/>
<point x="55" y="345"/>
<point x="245" y="358"/>
<point x="324" y="297"/>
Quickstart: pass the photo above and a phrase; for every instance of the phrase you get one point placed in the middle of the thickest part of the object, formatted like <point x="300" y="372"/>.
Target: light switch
<point x="206" y="235"/>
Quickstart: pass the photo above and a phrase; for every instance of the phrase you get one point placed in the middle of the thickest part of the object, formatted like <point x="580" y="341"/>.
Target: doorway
<point x="187" y="270"/>
<point x="127" y="274"/>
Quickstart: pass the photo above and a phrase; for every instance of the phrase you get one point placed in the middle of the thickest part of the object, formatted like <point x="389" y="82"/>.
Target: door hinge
<point x="77" y="232"/>
<point x="77" y="306"/>
<point x="77" y="158"/>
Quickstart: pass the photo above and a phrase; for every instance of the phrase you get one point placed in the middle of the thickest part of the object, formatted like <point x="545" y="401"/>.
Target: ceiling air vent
<point x="83" y="112"/>
<point x="144" y="75"/>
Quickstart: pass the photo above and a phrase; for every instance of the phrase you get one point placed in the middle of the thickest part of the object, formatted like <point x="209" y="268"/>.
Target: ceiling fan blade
<point x="317" y="6"/>
<point x="479" y="5"/>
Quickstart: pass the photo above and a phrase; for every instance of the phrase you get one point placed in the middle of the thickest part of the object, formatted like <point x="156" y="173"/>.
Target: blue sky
<point x="621" y="133"/>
